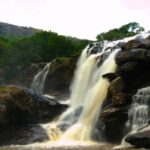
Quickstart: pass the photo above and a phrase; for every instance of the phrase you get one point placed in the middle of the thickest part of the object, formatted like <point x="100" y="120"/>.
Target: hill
<point x="9" y="30"/>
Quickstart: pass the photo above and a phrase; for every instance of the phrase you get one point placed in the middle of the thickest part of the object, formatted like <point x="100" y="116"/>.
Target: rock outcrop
<point x="139" y="139"/>
<point x="133" y="73"/>
<point x="21" y="106"/>
<point x="58" y="79"/>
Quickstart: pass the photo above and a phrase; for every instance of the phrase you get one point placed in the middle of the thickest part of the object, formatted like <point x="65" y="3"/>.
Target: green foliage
<point x="127" y="30"/>
<point x="61" y="59"/>
<point x="42" y="46"/>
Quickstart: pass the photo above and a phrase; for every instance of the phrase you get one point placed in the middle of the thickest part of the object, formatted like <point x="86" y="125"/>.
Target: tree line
<point x="127" y="30"/>
<point x="44" y="46"/>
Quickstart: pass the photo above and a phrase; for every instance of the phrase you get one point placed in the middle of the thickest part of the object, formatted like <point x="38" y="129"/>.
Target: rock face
<point x="60" y="75"/>
<point x="58" y="79"/>
<point x="21" y="135"/>
<point x="20" y="106"/>
<point x="140" y="139"/>
<point x="133" y="73"/>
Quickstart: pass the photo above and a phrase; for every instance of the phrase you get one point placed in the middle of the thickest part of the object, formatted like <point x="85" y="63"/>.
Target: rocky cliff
<point x="132" y="74"/>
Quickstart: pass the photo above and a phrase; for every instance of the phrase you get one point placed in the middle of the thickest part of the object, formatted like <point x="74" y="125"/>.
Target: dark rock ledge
<point x="21" y="111"/>
<point x="20" y="106"/>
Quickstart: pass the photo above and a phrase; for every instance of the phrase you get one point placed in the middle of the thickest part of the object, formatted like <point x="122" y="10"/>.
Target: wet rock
<point x="128" y="66"/>
<point x="131" y="44"/>
<point x="95" y="47"/>
<point x="117" y="92"/>
<point x="147" y="41"/>
<point x="17" y="107"/>
<point x="71" y="117"/>
<point x="121" y="99"/>
<point x="140" y="139"/>
<point x="63" y="126"/>
<point x="117" y="85"/>
<point x="21" y="135"/>
<point x="135" y="75"/>
<point x="138" y="42"/>
<point x="110" y="76"/>
<point x="114" y="119"/>
<point x="138" y="54"/>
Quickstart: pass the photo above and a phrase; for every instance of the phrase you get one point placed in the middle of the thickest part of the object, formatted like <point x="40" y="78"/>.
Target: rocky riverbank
<point x="80" y="146"/>
<point x="21" y="111"/>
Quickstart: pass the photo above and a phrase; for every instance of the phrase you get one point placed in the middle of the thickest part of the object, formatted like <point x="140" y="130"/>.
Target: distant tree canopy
<point x="127" y="30"/>
<point x="43" y="46"/>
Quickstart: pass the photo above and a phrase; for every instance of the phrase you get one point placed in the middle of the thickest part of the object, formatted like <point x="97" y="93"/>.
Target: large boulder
<point x="114" y="119"/>
<point x="139" y="139"/>
<point x="19" y="106"/>
<point x="137" y="42"/>
<point x="22" y="135"/>
<point x="138" y="54"/>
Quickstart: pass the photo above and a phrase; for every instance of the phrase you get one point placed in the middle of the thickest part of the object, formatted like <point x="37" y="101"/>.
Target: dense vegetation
<point x="127" y="30"/>
<point x="41" y="47"/>
<point x="21" y="51"/>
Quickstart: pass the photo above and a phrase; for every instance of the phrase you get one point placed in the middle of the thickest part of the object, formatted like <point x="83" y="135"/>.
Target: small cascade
<point x="139" y="114"/>
<point x="38" y="82"/>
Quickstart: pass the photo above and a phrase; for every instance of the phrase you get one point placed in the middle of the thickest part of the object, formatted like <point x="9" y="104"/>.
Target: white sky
<point x="79" y="18"/>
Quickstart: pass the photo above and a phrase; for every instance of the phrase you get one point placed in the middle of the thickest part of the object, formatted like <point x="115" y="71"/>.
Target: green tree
<point x="127" y="30"/>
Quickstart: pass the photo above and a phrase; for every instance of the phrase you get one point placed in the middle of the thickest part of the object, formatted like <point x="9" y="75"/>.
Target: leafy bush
<point x="127" y="30"/>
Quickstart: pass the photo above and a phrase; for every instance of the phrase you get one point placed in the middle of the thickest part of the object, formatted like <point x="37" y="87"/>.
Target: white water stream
<point x="38" y="82"/>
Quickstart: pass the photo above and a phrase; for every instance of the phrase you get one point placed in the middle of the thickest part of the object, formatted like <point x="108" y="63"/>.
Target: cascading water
<point x="82" y="130"/>
<point x="87" y="95"/>
<point x="138" y="115"/>
<point x="39" y="80"/>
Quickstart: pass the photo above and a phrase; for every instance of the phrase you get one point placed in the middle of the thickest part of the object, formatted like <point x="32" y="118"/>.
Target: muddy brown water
<point x="33" y="137"/>
<point x="51" y="146"/>
<point x="98" y="147"/>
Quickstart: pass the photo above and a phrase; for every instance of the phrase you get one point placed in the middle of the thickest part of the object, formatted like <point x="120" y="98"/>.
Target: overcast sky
<point x="79" y="18"/>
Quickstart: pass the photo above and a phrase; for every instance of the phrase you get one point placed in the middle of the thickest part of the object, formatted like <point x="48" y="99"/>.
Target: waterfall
<point x="82" y="130"/>
<point x="138" y="115"/>
<point x="39" y="80"/>
<point x="88" y="91"/>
